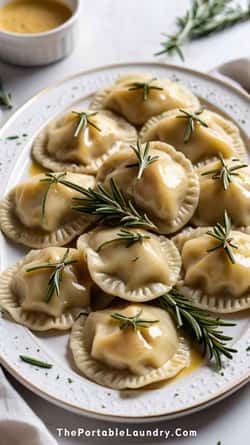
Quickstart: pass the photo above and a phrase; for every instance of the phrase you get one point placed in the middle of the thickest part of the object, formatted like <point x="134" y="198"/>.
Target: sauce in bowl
<point x="33" y="16"/>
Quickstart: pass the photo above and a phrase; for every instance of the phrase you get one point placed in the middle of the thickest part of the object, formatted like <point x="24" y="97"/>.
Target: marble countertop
<point x="113" y="31"/>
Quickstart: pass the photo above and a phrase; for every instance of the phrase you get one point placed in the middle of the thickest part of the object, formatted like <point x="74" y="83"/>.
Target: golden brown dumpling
<point x="31" y="216"/>
<point x="168" y="190"/>
<point x="79" y="141"/>
<point x="219" y="135"/>
<point x="126" y="357"/>
<point x="218" y="194"/>
<point x="137" y="97"/>
<point x="28" y="294"/>
<point x="112" y="253"/>
<point x="208" y="275"/>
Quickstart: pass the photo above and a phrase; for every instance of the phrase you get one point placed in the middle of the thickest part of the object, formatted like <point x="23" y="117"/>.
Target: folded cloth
<point x="18" y="424"/>
<point x="236" y="71"/>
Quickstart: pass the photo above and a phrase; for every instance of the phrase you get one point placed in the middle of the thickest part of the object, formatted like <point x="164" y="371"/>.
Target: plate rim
<point x="228" y="390"/>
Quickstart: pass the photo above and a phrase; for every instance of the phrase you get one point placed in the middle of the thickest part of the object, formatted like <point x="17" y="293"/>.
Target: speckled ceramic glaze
<point x="61" y="384"/>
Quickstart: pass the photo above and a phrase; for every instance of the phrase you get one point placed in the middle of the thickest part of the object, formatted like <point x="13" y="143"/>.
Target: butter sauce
<point x="33" y="16"/>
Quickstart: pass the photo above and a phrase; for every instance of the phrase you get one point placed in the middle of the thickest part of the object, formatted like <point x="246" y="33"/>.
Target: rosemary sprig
<point x="192" y="119"/>
<point x="203" y="18"/>
<point x="203" y="327"/>
<point x="35" y="362"/>
<point x="51" y="179"/>
<point x="127" y="236"/>
<point x="56" y="276"/>
<point x="134" y="322"/>
<point x="144" y="159"/>
<point x="221" y="232"/>
<point x="84" y="119"/>
<point x="111" y="206"/>
<point x="146" y="87"/>
<point x="225" y="173"/>
<point x="5" y="99"/>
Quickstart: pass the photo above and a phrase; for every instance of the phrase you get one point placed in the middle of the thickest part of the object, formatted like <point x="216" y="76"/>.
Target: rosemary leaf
<point x="192" y="119"/>
<point x="222" y="234"/>
<point x="84" y="120"/>
<point x="5" y="99"/>
<point x="144" y="159"/>
<point x="127" y="236"/>
<point x="35" y="362"/>
<point x="225" y="173"/>
<point x="51" y="179"/>
<point x="111" y="206"/>
<point x="146" y="87"/>
<point x="134" y="322"/>
<point x="56" y="275"/>
<point x="204" y="328"/>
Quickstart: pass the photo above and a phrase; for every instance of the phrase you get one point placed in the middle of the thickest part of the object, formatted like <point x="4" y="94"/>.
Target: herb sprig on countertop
<point x="144" y="159"/>
<point x="192" y="119"/>
<point x="56" y="275"/>
<point x="110" y="205"/>
<point x="203" y="327"/>
<point x="126" y="236"/>
<point x="222" y="233"/>
<point x="84" y="119"/>
<point x="134" y="322"/>
<point x="146" y="87"/>
<point x="225" y="173"/>
<point x="203" y="18"/>
<point x="5" y="99"/>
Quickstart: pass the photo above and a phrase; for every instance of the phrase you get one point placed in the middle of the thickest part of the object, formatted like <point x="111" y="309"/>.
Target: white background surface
<point x="113" y="31"/>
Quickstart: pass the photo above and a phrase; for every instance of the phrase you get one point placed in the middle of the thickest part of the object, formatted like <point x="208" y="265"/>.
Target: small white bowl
<point x="41" y="48"/>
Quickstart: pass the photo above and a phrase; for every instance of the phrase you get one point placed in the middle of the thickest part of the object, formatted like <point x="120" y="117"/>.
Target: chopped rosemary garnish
<point x="111" y="206"/>
<point x="225" y="173"/>
<point x="56" y="276"/>
<point x="203" y="18"/>
<point x="203" y="327"/>
<point x="134" y="322"/>
<point x="145" y="87"/>
<point x="144" y="159"/>
<point x="84" y="119"/>
<point x="127" y="236"/>
<point x="5" y="99"/>
<point x="35" y="362"/>
<point x="192" y="119"/>
<point x="51" y="179"/>
<point x="221" y="232"/>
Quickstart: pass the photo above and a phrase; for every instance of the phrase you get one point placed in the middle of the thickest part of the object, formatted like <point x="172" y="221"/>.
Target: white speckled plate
<point x="61" y="384"/>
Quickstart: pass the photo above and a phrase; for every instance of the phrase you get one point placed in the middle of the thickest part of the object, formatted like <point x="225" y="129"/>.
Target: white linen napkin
<point x="19" y="425"/>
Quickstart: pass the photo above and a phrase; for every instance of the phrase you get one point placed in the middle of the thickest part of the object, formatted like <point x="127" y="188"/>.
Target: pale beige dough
<point x="21" y="212"/>
<point x="127" y="358"/>
<point x="131" y="105"/>
<point x="221" y="136"/>
<point x="168" y="191"/>
<point x="58" y="148"/>
<point x="155" y="263"/>
<point x="210" y="279"/>
<point x="23" y="293"/>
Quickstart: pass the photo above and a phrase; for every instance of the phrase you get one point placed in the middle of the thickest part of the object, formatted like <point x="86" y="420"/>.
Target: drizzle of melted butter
<point x="33" y="16"/>
<point x="196" y="362"/>
<point x="36" y="169"/>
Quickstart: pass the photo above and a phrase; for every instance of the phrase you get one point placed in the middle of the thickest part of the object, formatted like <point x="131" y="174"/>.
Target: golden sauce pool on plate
<point x="33" y="16"/>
